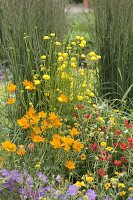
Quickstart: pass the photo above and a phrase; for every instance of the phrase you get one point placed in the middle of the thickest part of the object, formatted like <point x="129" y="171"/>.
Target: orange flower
<point x="54" y="119"/>
<point x="74" y="132"/>
<point x="11" y="87"/>
<point x="42" y="114"/>
<point x="21" y="151"/>
<point x="10" y="101"/>
<point x="83" y="157"/>
<point x="67" y="142"/>
<point x="77" y="146"/>
<point x="37" y="138"/>
<point x="36" y="130"/>
<point x="28" y="85"/>
<point x="70" y="165"/>
<point x="62" y="98"/>
<point x="8" y="146"/>
<point x="56" y="142"/>
<point x="23" y="122"/>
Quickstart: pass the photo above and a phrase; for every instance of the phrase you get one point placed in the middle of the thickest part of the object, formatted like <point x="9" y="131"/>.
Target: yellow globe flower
<point x="46" y="77"/>
<point x="43" y="57"/>
<point x="103" y="144"/>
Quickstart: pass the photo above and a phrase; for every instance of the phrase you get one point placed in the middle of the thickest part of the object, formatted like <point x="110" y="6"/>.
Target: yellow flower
<point x="78" y="37"/>
<point x="89" y="179"/>
<point x="82" y="44"/>
<point x="73" y="43"/>
<point x="57" y="44"/>
<point x="38" y="165"/>
<point x="109" y="148"/>
<point x="46" y="77"/>
<point x="43" y="57"/>
<point x="92" y="54"/>
<point x="122" y="193"/>
<point x="10" y="101"/>
<point x="93" y="58"/>
<point x="107" y="186"/>
<point x="80" y="98"/>
<point x="52" y="34"/>
<point x="80" y="184"/>
<point x="46" y="37"/>
<point x="73" y="65"/>
<point x="70" y="165"/>
<point x="103" y="144"/>
<point x="84" y="85"/>
<point x="8" y="146"/>
<point x="100" y="119"/>
<point x="60" y="58"/>
<point x="121" y="185"/>
<point x="37" y="82"/>
<point x="83" y="157"/>
<point x="64" y="75"/>
<point x="83" y="56"/>
<point x="91" y="94"/>
<point x="62" y="98"/>
<point x="130" y="189"/>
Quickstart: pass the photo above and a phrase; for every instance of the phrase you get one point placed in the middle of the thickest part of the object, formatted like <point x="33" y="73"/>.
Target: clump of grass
<point x="33" y="18"/>
<point x="114" y="33"/>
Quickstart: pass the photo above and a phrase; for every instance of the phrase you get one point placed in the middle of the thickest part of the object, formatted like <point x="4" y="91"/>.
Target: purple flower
<point x="43" y="177"/>
<point x="130" y="198"/>
<point x="58" y="178"/>
<point x="91" y="194"/>
<point x="72" y="190"/>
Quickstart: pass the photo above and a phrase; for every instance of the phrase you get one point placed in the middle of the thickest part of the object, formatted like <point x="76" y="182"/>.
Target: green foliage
<point x="114" y="33"/>
<point x="31" y="17"/>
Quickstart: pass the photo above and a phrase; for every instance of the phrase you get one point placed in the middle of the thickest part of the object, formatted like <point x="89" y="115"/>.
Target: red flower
<point x="118" y="132"/>
<point x="123" y="146"/>
<point x="117" y="163"/>
<point x="93" y="146"/>
<point x="128" y="125"/>
<point x="97" y="115"/>
<point x="101" y="172"/>
<point x="87" y="116"/>
<point x="123" y="159"/>
<point x="102" y="158"/>
<point x="130" y="146"/>
<point x="80" y="107"/>
<point x="116" y="144"/>
<point x="130" y="139"/>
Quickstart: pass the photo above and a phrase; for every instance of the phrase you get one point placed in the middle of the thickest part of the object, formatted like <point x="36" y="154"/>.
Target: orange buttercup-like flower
<point x="42" y="114"/>
<point x="28" y="85"/>
<point x="70" y="165"/>
<point x="56" y="142"/>
<point x="54" y="119"/>
<point x="10" y="101"/>
<point x="62" y="98"/>
<point x="12" y="87"/>
<point x="74" y="132"/>
<point x="77" y="146"/>
<point x="21" y="151"/>
<point x="67" y="142"/>
<point x="37" y="138"/>
<point x="8" y="146"/>
<point x="23" y="122"/>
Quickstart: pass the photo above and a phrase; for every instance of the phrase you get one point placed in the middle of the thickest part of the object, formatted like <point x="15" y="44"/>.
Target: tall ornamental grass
<point x="114" y="32"/>
<point x="29" y="17"/>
